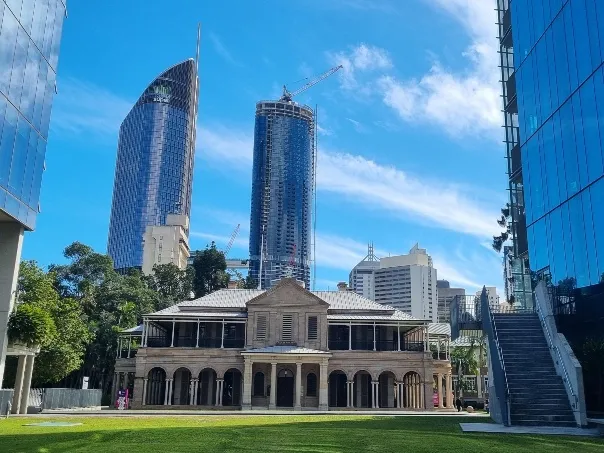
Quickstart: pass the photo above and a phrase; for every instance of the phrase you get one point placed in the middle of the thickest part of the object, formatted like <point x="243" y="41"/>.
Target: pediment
<point x="287" y="293"/>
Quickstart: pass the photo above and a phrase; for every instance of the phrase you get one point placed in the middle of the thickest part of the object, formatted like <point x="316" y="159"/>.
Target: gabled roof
<point x="439" y="328"/>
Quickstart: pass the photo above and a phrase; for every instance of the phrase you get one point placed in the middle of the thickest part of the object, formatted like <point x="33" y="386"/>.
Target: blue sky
<point x="409" y="141"/>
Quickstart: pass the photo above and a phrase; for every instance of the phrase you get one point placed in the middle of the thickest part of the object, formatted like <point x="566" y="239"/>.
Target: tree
<point x="210" y="271"/>
<point x="171" y="283"/>
<point x="31" y="326"/>
<point x="503" y="222"/>
<point x="248" y="283"/>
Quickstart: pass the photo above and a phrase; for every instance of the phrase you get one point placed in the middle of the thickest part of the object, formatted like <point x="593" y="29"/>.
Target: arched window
<point x="259" y="384"/>
<point x="311" y="384"/>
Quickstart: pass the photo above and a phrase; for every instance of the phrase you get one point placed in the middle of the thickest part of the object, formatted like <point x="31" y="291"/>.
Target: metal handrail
<point x="508" y="397"/>
<point x="566" y="377"/>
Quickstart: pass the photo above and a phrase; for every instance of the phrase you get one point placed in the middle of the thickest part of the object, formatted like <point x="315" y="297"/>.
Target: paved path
<point x="547" y="430"/>
<point x="219" y="413"/>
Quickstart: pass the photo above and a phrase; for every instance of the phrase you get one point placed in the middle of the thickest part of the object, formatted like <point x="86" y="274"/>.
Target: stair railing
<point x="577" y="403"/>
<point x="497" y="363"/>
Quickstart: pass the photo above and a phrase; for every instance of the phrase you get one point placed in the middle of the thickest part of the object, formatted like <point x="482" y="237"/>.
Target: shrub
<point x="31" y="325"/>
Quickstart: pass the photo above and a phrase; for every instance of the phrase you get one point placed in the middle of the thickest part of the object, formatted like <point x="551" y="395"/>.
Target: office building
<point x="30" y="36"/>
<point x="445" y="295"/>
<point x="555" y="56"/>
<point x="282" y="192"/>
<point x="408" y="283"/>
<point x="165" y="244"/>
<point x="362" y="278"/>
<point x="154" y="167"/>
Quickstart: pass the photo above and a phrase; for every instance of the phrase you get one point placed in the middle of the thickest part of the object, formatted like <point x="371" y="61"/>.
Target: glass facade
<point x="559" y="50"/>
<point x="154" y="168"/>
<point x="30" y="35"/>
<point x="282" y="192"/>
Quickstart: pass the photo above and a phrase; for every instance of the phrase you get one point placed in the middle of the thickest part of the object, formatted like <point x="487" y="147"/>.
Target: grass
<point x="321" y="434"/>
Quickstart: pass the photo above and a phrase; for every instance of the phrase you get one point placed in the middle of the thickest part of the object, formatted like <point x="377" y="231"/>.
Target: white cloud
<point x="221" y="50"/>
<point x="462" y="103"/>
<point x="359" y="59"/>
<point x="358" y="126"/>
<point x="230" y="147"/>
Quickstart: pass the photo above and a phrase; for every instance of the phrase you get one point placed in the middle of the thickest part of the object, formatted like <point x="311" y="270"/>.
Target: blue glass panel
<point x="17" y="170"/>
<point x="551" y="166"/>
<point x="578" y="237"/>
<point x="579" y="136"/>
<point x="591" y="92"/>
<point x="562" y="57"/>
<point x="553" y="79"/>
<point x="590" y="239"/>
<point x="597" y="195"/>
<point x="557" y="246"/>
<point x="578" y="16"/>
<point x="567" y="242"/>
<point x="594" y="36"/>
<point x="7" y="142"/>
<point x="569" y="149"/>
<point x="8" y="38"/>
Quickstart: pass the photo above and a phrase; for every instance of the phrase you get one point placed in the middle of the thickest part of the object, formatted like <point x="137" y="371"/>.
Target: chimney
<point x="342" y="286"/>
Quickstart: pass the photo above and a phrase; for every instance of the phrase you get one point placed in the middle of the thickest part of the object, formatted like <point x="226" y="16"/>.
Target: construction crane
<point x="230" y="244"/>
<point x="287" y="95"/>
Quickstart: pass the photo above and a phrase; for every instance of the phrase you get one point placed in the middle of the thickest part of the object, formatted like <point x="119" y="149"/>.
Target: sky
<point x="410" y="137"/>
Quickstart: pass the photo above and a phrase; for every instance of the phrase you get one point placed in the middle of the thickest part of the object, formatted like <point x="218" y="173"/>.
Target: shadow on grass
<point x="383" y="435"/>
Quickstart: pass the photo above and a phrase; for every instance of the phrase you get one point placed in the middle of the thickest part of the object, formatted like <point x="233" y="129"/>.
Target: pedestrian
<point x="458" y="404"/>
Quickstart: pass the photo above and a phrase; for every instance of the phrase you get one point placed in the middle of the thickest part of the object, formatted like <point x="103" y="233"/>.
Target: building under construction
<point x="283" y="178"/>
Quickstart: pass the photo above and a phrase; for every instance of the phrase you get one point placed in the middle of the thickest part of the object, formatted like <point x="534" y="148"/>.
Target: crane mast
<point x="287" y="95"/>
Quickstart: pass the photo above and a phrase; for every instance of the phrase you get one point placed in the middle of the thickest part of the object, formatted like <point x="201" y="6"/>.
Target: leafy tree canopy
<point x="209" y="271"/>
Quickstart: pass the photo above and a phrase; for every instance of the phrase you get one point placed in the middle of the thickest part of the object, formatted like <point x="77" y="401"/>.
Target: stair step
<point x="542" y="423"/>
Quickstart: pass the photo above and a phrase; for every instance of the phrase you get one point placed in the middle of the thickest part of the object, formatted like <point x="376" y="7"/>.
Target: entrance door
<point x="285" y="389"/>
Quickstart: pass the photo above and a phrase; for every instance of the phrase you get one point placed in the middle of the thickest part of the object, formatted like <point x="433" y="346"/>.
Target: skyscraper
<point x="446" y="294"/>
<point x="554" y="91"/>
<point x="362" y="277"/>
<point x="154" y="168"/>
<point x="282" y="192"/>
<point x="30" y="34"/>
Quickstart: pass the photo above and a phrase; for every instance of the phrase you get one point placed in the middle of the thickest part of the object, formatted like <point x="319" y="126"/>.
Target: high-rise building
<point x="30" y="35"/>
<point x="554" y="107"/>
<point x="362" y="277"/>
<point x="445" y="295"/>
<point x="408" y="283"/>
<point x="166" y="244"/>
<point x="282" y="192"/>
<point x="154" y="168"/>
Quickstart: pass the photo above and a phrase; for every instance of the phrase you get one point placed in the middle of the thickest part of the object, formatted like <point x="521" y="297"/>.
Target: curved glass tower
<point x="154" y="168"/>
<point x="282" y="192"/>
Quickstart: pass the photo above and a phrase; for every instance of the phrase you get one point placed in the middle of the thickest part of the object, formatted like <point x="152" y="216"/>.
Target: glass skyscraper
<point x="552" y="54"/>
<point x="282" y="192"/>
<point x="30" y="35"/>
<point x="154" y="168"/>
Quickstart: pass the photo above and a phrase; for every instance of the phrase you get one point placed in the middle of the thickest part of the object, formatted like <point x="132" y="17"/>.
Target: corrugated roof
<point x="439" y="328"/>
<point x="285" y="350"/>
<point x="137" y="329"/>
<point x="464" y="341"/>
<point x="224" y="298"/>
<point x="396" y="316"/>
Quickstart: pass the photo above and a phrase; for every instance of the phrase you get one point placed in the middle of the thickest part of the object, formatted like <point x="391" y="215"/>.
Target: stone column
<point x="376" y="391"/>
<point x="247" y="384"/>
<point x="478" y="386"/>
<point x="126" y="380"/>
<point x="145" y="383"/>
<point x="173" y="329"/>
<point x="195" y="389"/>
<point x="298" y="387"/>
<point x="18" y="384"/>
<point x="166" y="392"/>
<point x="399" y="401"/>
<point x="348" y="394"/>
<point x="323" y="387"/>
<point x="114" y="388"/>
<point x="11" y="240"/>
<point x="273" y="398"/>
<point x="29" y="369"/>
<point x="171" y="394"/>
<point x="191" y="391"/>
<point x="439" y="387"/>
<point x="219" y="383"/>
<point x="428" y="388"/>
<point x="412" y="391"/>
<point x="449" y="390"/>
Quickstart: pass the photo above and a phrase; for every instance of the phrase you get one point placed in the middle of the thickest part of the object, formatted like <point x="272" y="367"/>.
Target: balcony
<point x="386" y="339"/>
<point x="211" y="334"/>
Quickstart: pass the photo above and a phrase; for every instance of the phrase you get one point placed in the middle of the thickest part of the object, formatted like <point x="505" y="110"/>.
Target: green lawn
<point x="155" y="434"/>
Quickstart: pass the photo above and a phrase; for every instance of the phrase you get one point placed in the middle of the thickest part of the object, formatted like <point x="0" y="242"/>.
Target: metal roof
<point x="137" y="329"/>
<point x="396" y="316"/>
<point x="439" y="328"/>
<point x="284" y="350"/>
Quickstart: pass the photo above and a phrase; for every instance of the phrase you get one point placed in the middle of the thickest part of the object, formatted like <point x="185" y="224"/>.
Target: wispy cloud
<point x="461" y="102"/>
<point x="359" y="59"/>
<point x="222" y="50"/>
<point x="225" y="145"/>
<point x="358" y="126"/>
<point x="381" y="6"/>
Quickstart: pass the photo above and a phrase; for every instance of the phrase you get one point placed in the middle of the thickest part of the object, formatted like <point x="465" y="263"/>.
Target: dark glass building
<point x="282" y="192"/>
<point x="30" y="34"/>
<point x="154" y="168"/>
<point x="556" y="86"/>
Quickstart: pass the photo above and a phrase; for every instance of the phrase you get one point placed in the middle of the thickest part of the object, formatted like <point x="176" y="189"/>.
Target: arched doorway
<point x="412" y="391"/>
<point x="156" y="387"/>
<point x="206" y="395"/>
<point x="181" y="387"/>
<point x="231" y="388"/>
<point x="386" y="389"/>
<point x="362" y="394"/>
<point x="337" y="389"/>
<point x="285" y="388"/>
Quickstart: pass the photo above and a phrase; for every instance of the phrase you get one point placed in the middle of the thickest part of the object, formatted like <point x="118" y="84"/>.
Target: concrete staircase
<point x="538" y="396"/>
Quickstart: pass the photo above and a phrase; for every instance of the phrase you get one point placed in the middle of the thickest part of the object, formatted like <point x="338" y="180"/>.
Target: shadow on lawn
<point x="383" y="435"/>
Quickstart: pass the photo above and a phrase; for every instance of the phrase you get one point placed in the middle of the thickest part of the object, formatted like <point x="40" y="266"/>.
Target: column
<point x="376" y="386"/>
<point x="126" y="380"/>
<point x="298" y="386"/>
<point x="348" y="394"/>
<point x="11" y="240"/>
<point x="166" y="392"/>
<point x="219" y="383"/>
<point x="145" y="383"/>
<point x="173" y="329"/>
<point x="114" y="388"/>
<point x="170" y="391"/>
<point x="197" y="339"/>
<point x="479" y="386"/>
<point x="412" y="392"/>
<point x="29" y="369"/>
<point x="273" y="398"/>
<point x="129" y="344"/>
<point x="407" y="393"/>
<point x="191" y="390"/>
<point x="247" y="384"/>
<point x="195" y="389"/>
<point x="18" y="384"/>
<point x="374" y="336"/>
<point x="222" y="336"/>
<point x="323" y="387"/>
<point x="399" y="386"/>
<point x="428" y="387"/>
<point x="439" y="385"/>
<point x="449" y="390"/>
<point x="350" y="336"/>
<point x="399" y="337"/>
